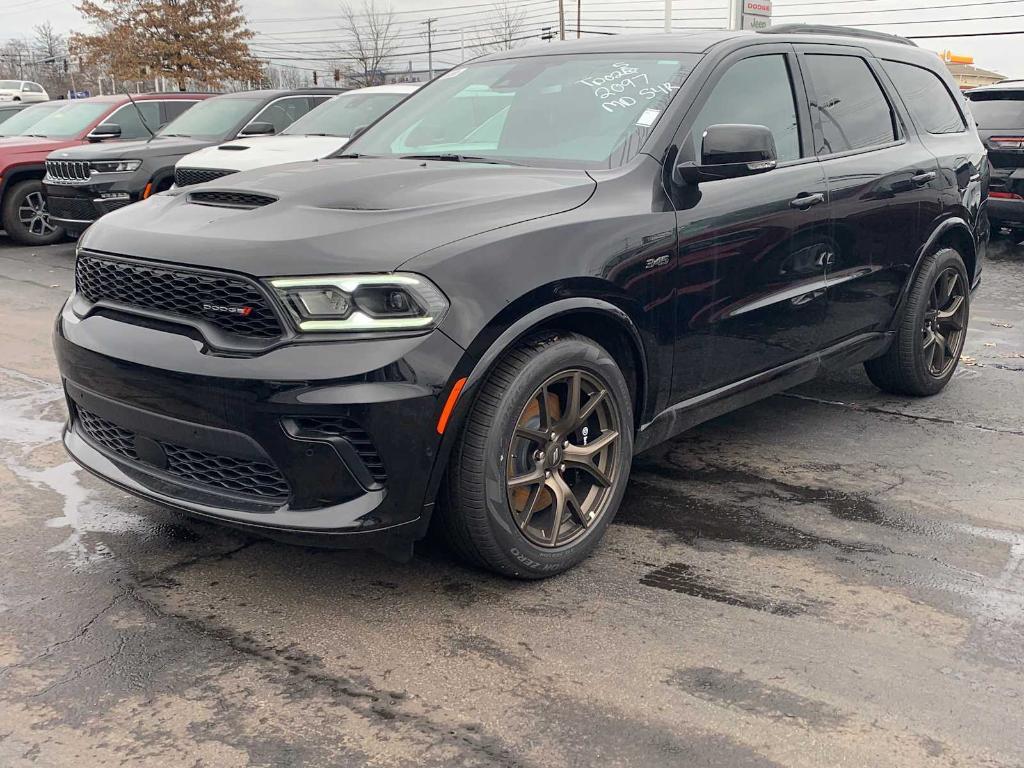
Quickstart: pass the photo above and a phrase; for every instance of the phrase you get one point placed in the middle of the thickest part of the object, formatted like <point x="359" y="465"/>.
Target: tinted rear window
<point x="926" y="96"/>
<point x="850" y="104"/>
<point x="996" y="110"/>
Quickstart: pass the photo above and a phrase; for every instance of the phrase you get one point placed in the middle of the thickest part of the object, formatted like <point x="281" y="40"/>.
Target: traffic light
<point x="65" y="66"/>
<point x="337" y="75"/>
<point x="314" y="77"/>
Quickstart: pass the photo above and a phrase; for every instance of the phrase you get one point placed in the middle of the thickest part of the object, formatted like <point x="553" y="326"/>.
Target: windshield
<point x="10" y="85"/>
<point x="343" y="114"/>
<point x="212" y="118"/>
<point x="998" y="110"/>
<point x="21" y="121"/>
<point x="586" y="111"/>
<point x="69" y="120"/>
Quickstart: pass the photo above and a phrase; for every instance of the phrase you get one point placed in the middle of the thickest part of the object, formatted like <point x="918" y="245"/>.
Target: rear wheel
<point x="932" y="330"/>
<point x="25" y="215"/>
<point x="543" y="460"/>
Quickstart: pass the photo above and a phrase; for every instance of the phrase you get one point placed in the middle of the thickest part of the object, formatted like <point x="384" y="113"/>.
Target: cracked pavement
<point x="830" y="577"/>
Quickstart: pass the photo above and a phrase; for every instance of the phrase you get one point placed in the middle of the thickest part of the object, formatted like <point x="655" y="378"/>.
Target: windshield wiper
<point x="451" y="157"/>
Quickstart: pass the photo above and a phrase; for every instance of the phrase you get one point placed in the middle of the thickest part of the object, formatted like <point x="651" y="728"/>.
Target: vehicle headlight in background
<point x="115" y="166"/>
<point x="396" y="302"/>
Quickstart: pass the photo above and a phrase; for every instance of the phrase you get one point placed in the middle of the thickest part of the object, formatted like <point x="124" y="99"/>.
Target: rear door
<point x="751" y="275"/>
<point x="880" y="176"/>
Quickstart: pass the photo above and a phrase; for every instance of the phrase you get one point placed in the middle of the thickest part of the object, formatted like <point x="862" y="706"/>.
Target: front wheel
<point x="932" y="329"/>
<point x="26" y="217"/>
<point x="543" y="460"/>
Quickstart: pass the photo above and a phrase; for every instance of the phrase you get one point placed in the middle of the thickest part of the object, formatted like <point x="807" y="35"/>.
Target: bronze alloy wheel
<point x="942" y="334"/>
<point x="563" y="459"/>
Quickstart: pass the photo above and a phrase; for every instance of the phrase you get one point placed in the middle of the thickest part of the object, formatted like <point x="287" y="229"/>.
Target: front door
<point x="751" y="262"/>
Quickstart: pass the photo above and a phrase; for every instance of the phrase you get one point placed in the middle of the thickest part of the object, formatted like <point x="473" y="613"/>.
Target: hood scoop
<point x="241" y="200"/>
<point x="232" y="147"/>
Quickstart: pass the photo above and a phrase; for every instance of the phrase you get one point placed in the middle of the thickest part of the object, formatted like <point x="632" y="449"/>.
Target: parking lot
<point x="830" y="577"/>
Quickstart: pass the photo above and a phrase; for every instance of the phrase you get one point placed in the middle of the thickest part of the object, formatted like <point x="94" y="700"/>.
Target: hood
<point x="337" y="215"/>
<point x="25" y="149"/>
<point x="246" y="154"/>
<point x="140" y="149"/>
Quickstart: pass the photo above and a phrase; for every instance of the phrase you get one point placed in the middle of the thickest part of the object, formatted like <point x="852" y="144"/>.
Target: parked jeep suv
<point x="531" y="269"/>
<point x="999" y="112"/>
<point x="23" y="211"/>
<point x="85" y="183"/>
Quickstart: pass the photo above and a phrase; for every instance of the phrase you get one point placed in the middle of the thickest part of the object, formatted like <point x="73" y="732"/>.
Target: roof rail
<point x="823" y="29"/>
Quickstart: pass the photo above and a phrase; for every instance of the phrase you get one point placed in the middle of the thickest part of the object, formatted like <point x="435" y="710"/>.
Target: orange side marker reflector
<point x="449" y="405"/>
<point x="148" y="190"/>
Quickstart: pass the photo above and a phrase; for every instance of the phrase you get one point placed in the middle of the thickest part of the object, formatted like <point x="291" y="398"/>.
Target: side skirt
<point x="696" y="410"/>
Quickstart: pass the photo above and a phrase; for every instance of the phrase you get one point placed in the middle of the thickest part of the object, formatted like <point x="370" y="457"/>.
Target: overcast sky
<point x="291" y="30"/>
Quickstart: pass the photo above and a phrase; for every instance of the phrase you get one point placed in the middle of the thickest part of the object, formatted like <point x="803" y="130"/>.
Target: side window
<point x="757" y="91"/>
<point x="35" y="88"/>
<point x="174" y="109"/>
<point x="283" y="112"/>
<point x="128" y="118"/>
<point x="927" y="97"/>
<point x="849" y="104"/>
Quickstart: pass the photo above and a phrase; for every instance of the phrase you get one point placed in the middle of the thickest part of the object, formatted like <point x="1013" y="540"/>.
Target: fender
<point x="476" y="370"/>
<point x="944" y="227"/>
<point x="15" y="173"/>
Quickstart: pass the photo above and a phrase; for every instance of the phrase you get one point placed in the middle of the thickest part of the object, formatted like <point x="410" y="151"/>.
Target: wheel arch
<point x="599" y="319"/>
<point x="19" y="173"/>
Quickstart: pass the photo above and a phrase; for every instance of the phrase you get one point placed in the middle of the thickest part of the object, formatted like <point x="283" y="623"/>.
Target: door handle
<point x="805" y="201"/>
<point x="923" y="178"/>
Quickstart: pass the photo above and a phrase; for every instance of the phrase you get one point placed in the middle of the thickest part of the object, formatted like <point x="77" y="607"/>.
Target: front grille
<point x="111" y="204"/>
<point x="71" y="208"/>
<point x="246" y="200"/>
<point x="243" y="476"/>
<point x="68" y="170"/>
<point x="330" y="426"/>
<point x="233" y="304"/>
<point x="186" y="177"/>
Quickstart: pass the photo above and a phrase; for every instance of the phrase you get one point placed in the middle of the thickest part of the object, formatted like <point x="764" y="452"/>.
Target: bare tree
<point x="50" y="51"/>
<point x="505" y="29"/>
<point x="370" y="36"/>
<point x="14" y="58"/>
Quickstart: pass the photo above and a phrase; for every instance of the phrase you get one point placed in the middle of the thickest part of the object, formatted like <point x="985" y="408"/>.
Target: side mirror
<point x="105" y="131"/>
<point x="258" y="129"/>
<point x="730" y="152"/>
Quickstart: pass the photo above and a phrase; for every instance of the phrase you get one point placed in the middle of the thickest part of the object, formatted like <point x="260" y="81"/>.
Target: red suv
<point x="23" y="158"/>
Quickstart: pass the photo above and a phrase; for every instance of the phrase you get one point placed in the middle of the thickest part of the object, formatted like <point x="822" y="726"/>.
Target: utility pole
<point x="668" y="16"/>
<point x="430" y="48"/>
<point x="561" y="19"/>
<point x="578" y="4"/>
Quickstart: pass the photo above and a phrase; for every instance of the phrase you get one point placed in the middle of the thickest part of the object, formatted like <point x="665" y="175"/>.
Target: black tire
<point x="476" y="515"/>
<point x="17" y="196"/>
<point x="905" y="368"/>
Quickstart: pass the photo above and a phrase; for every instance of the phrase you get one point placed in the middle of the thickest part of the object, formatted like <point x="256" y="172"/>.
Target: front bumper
<point x="341" y="435"/>
<point x="75" y="206"/>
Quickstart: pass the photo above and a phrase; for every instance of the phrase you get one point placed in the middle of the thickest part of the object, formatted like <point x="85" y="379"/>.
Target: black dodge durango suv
<point x="535" y="267"/>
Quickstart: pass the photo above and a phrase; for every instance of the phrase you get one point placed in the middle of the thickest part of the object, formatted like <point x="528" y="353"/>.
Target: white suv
<point x="22" y="90"/>
<point x="317" y="134"/>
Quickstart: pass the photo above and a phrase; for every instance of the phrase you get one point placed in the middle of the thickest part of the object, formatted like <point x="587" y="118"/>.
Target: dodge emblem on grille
<point x="243" y="311"/>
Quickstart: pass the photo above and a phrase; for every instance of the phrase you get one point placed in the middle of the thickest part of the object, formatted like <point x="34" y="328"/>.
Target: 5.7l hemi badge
<point x="243" y="311"/>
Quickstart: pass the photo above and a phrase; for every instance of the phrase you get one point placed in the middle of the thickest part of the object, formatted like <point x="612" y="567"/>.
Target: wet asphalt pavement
<point x="832" y="577"/>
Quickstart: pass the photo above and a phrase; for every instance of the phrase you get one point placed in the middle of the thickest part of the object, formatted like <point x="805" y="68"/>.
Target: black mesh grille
<point x="232" y="304"/>
<point x="186" y="177"/>
<point x="111" y="437"/>
<point x="329" y="426"/>
<point x="243" y="476"/>
<point x="76" y="208"/>
<point x="221" y="199"/>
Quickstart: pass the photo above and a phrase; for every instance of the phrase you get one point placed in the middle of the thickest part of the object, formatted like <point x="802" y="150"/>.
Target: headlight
<point x="397" y="302"/>
<point x="115" y="166"/>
